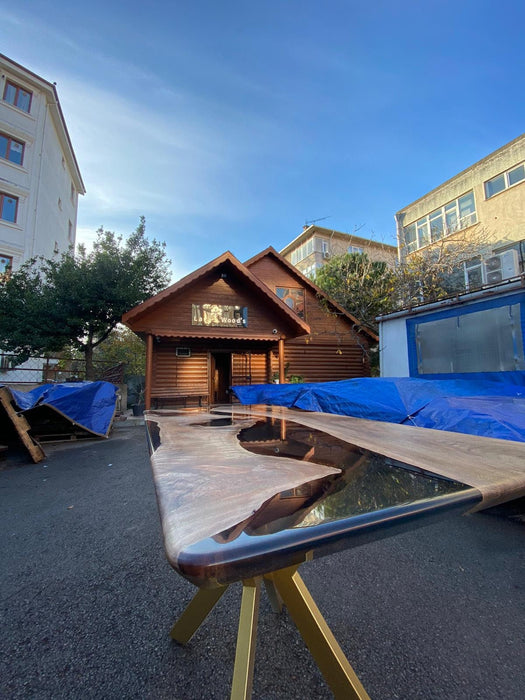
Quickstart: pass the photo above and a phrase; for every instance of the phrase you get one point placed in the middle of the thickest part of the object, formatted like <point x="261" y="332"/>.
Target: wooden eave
<point x="178" y="335"/>
<point x="313" y="287"/>
<point x="226" y="258"/>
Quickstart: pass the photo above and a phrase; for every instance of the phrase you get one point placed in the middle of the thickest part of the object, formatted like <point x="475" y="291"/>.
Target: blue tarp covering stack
<point x="91" y="405"/>
<point x="492" y="405"/>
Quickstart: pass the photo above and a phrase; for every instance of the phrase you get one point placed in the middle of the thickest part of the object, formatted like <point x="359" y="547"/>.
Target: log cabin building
<point x="230" y="323"/>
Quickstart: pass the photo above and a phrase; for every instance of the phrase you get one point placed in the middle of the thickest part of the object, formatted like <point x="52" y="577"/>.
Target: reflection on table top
<point x="241" y="495"/>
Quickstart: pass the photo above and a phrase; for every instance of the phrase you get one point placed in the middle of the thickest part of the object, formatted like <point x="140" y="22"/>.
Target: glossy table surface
<point x="241" y="495"/>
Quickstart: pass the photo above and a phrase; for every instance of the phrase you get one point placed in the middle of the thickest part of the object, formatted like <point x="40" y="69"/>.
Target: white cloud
<point x="146" y="145"/>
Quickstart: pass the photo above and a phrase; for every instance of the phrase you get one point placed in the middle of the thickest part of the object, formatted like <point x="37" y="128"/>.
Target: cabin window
<point x="292" y="297"/>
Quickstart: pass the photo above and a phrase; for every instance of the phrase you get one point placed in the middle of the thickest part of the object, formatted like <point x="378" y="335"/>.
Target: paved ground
<point x="88" y="598"/>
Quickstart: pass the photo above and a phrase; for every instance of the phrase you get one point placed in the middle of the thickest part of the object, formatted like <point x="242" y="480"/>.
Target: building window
<point x="17" y="96"/>
<point x="6" y="264"/>
<point x="473" y="273"/>
<point x="72" y="193"/>
<point x="70" y="232"/>
<point x="502" y="182"/>
<point x="303" y="251"/>
<point x="311" y="270"/>
<point x="8" y="207"/>
<point x="354" y="249"/>
<point x="11" y="150"/>
<point x="454" y="216"/>
<point x="292" y="297"/>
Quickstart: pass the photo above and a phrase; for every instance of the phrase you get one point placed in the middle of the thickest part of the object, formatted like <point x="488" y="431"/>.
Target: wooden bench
<point x="160" y="396"/>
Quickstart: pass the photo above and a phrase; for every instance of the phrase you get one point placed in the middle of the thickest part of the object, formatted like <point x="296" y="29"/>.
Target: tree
<point x="122" y="345"/>
<point x="363" y="287"/>
<point x="49" y="304"/>
<point x="438" y="271"/>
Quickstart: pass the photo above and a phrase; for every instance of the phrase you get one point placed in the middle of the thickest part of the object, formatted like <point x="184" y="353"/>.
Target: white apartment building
<point x="39" y="176"/>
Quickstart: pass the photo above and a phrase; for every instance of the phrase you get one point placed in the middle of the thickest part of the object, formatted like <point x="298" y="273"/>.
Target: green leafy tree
<point x="76" y="301"/>
<point x="361" y="286"/>
<point x="122" y="345"/>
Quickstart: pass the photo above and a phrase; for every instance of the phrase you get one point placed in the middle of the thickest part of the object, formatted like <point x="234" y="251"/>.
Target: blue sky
<point x="230" y="124"/>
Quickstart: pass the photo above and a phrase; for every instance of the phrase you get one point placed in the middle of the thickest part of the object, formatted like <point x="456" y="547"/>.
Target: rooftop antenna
<point x="314" y="221"/>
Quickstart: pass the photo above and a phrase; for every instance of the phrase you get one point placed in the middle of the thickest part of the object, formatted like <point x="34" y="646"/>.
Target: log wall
<point x="334" y="349"/>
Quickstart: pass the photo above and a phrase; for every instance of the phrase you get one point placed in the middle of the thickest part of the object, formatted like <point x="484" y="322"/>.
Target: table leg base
<point x="196" y="612"/>
<point x="323" y="646"/>
<point x="287" y="586"/>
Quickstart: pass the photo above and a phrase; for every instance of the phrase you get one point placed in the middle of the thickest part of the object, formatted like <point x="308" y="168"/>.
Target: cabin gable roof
<point x="226" y="263"/>
<point x="306" y="282"/>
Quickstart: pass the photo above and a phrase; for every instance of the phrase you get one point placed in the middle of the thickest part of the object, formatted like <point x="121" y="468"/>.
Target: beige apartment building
<point x="485" y="203"/>
<point x="316" y="245"/>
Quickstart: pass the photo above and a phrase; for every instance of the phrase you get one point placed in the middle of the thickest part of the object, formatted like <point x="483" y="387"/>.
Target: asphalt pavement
<point x="88" y="597"/>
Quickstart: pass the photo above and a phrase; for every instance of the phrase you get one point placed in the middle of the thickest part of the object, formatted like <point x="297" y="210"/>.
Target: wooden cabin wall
<point x="322" y="363"/>
<point x="273" y="274"/>
<point x="333" y="350"/>
<point x="183" y="374"/>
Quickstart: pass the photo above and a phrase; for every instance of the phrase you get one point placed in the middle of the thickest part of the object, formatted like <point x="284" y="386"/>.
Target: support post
<point x="269" y="366"/>
<point x="282" y="378"/>
<point x="149" y="371"/>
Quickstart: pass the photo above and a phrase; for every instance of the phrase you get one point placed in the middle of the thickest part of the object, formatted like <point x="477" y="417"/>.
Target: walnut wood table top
<point x="245" y="491"/>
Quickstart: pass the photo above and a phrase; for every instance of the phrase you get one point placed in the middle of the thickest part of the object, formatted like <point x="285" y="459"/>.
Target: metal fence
<point x="43" y="370"/>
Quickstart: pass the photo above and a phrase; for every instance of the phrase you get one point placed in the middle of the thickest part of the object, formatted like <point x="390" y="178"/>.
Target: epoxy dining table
<point x="248" y="494"/>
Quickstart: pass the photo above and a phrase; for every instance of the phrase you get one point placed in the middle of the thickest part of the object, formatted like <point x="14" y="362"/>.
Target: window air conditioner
<point x="326" y="255"/>
<point x="183" y="352"/>
<point x="501" y="266"/>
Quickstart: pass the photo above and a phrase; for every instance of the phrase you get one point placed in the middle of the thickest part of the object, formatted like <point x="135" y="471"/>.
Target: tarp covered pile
<point x="90" y="405"/>
<point x="492" y="406"/>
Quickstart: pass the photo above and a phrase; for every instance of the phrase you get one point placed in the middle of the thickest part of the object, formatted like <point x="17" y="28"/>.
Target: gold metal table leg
<point x="246" y="639"/>
<point x="195" y="613"/>
<point x="275" y="599"/>
<point x="285" y="586"/>
<point x="323" y="646"/>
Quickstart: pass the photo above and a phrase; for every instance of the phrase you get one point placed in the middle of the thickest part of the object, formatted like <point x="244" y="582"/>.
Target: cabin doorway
<point x="221" y="365"/>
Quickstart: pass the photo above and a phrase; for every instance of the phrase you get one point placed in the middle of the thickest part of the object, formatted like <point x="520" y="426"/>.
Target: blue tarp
<point x="90" y="405"/>
<point x="493" y="406"/>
